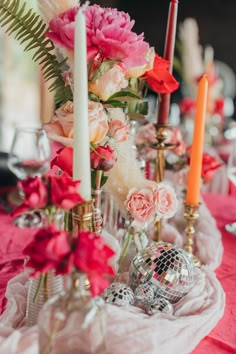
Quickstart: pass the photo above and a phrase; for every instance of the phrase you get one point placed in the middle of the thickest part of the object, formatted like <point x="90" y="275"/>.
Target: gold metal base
<point x="191" y="215"/>
<point x="83" y="216"/>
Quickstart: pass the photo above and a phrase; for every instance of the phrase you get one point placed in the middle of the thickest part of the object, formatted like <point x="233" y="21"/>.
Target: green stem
<point x="125" y="248"/>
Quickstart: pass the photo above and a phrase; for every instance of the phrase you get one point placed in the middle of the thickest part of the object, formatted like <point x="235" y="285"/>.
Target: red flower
<point x="219" y="107"/>
<point x="102" y="158"/>
<point x="64" y="160"/>
<point x="50" y="249"/>
<point x="209" y="166"/>
<point x="91" y="257"/>
<point x="187" y="106"/>
<point x="64" y="191"/>
<point x="35" y="195"/>
<point x="159" y="78"/>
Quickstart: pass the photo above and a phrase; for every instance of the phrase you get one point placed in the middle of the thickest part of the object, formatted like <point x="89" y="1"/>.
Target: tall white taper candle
<point x="81" y="156"/>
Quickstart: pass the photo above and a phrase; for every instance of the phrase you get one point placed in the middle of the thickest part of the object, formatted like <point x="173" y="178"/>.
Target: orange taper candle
<point x="195" y="168"/>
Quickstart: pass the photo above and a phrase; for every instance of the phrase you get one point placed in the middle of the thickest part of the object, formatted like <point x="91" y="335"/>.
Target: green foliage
<point x="29" y="29"/>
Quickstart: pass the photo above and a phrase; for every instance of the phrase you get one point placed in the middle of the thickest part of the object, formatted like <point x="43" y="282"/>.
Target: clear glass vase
<point x="73" y="322"/>
<point x="134" y="239"/>
<point x="40" y="290"/>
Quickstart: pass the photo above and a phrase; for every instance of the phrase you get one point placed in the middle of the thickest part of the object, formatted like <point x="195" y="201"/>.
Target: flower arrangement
<point x="86" y="252"/>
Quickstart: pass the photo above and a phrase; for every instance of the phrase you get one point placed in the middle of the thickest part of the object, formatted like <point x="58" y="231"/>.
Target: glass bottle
<point x="73" y="322"/>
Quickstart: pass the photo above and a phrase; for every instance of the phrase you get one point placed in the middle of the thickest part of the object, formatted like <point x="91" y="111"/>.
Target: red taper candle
<point x="164" y="99"/>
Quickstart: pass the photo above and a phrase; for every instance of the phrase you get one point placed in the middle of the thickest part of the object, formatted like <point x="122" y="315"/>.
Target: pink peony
<point x="109" y="34"/>
<point x="111" y="82"/>
<point x="118" y="130"/>
<point x="98" y="122"/>
<point x="62" y="29"/>
<point x="166" y="202"/>
<point x="140" y="204"/>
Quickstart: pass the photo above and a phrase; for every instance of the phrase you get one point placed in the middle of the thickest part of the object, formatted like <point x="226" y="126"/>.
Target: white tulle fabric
<point x="129" y="329"/>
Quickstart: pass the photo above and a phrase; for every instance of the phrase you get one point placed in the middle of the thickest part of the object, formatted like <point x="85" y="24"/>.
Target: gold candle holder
<point x="191" y="215"/>
<point x="83" y="216"/>
<point x="161" y="147"/>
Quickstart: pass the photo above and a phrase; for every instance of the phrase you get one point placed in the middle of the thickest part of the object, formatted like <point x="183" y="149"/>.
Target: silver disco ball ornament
<point x="119" y="294"/>
<point x="166" y="266"/>
<point x="160" y="305"/>
<point x="144" y="293"/>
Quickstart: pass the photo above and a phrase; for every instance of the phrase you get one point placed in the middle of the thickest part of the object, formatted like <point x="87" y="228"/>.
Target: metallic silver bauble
<point x="160" y="305"/>
<point x="166" y="266"/>
<point x="119" y="294"/>
<point x="144" y="294"/>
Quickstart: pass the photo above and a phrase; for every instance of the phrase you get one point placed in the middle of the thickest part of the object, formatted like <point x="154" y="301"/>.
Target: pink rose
<point x="60" y="128"/>
<point x="138" y="71"/>
<point x="64" y="192"/>
<point x="118" y="130"/>
<point x="98" y="122"/>
<point x="111" y="82"/>
<point x="140" y="204"/>
<point x="166" y="202"/>
<point x="146" y="134"/>
<point x="109" y="34"/>
<point x="102" y="158"/>
<point x="35" y="195"/>
<point x="48" y="250"/>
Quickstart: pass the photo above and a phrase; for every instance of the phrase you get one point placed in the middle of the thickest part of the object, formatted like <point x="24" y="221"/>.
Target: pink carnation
<point x="165" y="201"/>
<point x="140" y="203"/>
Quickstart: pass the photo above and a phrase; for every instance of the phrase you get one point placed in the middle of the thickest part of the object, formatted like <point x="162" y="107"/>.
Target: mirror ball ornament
<point x="144" y="294"/>
<point x="166" y="266"/>
<point x="160" y="305"/>
<point x="119" y="294"/>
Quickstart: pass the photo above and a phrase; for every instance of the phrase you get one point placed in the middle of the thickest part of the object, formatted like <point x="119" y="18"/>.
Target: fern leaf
<point x="29" y="29"/>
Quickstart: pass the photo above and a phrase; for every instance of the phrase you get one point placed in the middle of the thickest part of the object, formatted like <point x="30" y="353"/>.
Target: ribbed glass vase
<point x="73" y="322"/>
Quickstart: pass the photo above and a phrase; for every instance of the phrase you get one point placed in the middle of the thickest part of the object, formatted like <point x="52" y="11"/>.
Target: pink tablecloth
<point x="221" y="340"/>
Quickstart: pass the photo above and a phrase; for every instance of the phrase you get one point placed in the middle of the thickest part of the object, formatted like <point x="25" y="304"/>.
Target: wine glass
<point x="29" y="157"/>
<point x="231" y="172"/>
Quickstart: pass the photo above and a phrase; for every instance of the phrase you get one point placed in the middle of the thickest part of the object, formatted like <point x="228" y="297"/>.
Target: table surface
<point x="221" y="340"/>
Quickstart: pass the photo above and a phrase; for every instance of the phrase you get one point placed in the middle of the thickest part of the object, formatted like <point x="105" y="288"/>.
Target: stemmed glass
<point x="29" y="157"/>
<point x="231" y="172"/>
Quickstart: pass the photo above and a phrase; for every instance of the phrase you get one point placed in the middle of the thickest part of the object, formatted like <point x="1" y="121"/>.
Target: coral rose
<point x="111" y="82"/>
<point x="165" y="201"/>
<point x="159" y="78"/>
<point x="141" y="205"/>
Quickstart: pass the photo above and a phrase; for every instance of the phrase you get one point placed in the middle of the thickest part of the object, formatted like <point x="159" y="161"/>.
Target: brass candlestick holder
<point x="161" y="147"/>
<point x="191" y="215"/>
<point x="83" y="216"/>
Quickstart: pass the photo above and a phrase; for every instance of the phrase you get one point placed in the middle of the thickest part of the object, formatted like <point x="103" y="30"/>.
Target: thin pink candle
<point x="164" y="99"/>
